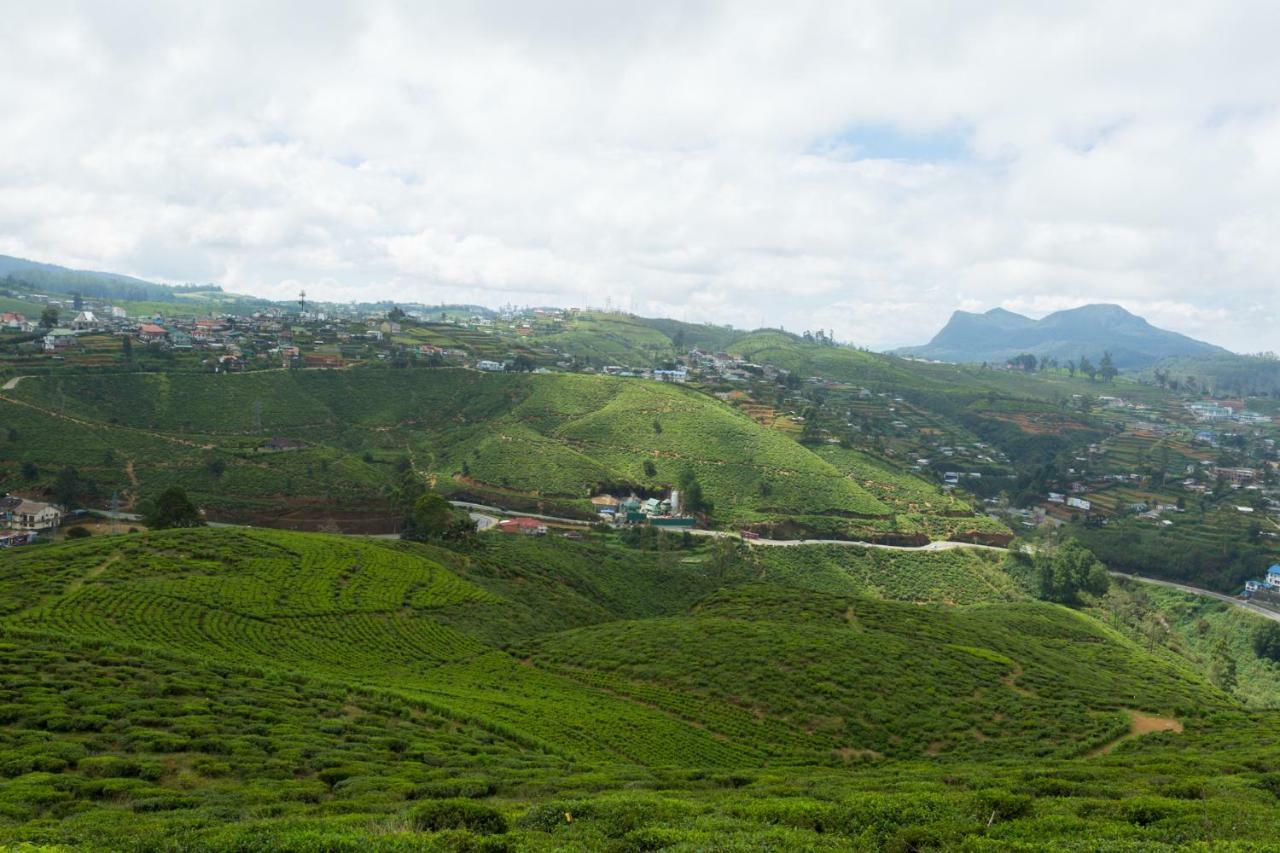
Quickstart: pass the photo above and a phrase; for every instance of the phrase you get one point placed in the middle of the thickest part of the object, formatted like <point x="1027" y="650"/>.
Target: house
<point x="22" y="514"/>
<point x="118" y="313"/>
<point x="525" y="526"/>
<point x="13" y="320"/>
<point x="1270" y="585"/>
<point x="59" y="339"/>
<point x="13" y="538"/>
<point x="179" y="339"/>
<point x="152" y="333"/>
<point x="389" y="327"/>
<point x="85" y="321"/>
<point x="229" y="364"/>
<point x="492" y="366"/>
<point x="1235" y="476"/>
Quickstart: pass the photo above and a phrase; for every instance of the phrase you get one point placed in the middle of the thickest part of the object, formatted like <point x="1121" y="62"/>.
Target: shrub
<point x="437" y="815"/>
<point x="1266" y="641"/>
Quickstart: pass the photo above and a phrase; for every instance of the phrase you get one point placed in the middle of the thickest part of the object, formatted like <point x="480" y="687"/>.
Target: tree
<point x="691" y="495"/>
<point x="77" y="302"/>
<point x="1222" y="668"/>
<point x="1068" y="570"/>
<point x="173" y="509"/>
<point x="126" y="345"/>
<point x="30" y="471"/>
<point x="433" y="519"/>
<point x="1107" y="367"/>
<point x="68" y="486"/>
<point x="396" y="314"/>
<point x="49" y="317"/>
<point x="217" y="466"/>
<point x="1266" y="641"/>
<point x="1087" y="368"/>
<point x="1026" y="362"/>
<point x="650" y="470"/>
<point x="1071" y="368"/>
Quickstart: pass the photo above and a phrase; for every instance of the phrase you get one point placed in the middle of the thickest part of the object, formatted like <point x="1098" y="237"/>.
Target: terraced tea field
<point x="248" y="689"/>
<point x="528" y="441"/>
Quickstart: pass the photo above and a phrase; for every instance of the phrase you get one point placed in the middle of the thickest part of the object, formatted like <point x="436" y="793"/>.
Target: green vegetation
<point x="525" y="441"/>
<point x="173" y="509"/>
<point x="250" y="689"/>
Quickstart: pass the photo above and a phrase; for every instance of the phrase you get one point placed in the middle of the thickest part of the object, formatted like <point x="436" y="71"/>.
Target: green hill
<point x="525" y="441"/>
<point x="248" y="689"/>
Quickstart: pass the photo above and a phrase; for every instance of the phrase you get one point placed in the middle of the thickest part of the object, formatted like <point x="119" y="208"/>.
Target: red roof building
<point x="527" y="526"/>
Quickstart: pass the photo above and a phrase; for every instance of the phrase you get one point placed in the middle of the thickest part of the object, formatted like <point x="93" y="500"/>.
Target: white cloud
<point x="698" y="160"/>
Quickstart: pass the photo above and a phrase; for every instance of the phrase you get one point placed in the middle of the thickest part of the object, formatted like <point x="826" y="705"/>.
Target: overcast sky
<point x="866" y="167"/>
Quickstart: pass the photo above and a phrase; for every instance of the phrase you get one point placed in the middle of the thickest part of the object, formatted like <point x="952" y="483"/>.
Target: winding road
<point x="1205" y="593"/>
<point x="487" y="517"/>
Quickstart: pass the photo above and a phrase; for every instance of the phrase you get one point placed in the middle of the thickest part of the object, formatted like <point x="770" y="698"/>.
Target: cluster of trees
<point x="1222" y="374"/>
<point x="1066" y="571"/>
<point x="434" y="519"/>
<point x="691" y="498"/>
<point x="1105" y="368"/>
<point x="172" y="509"/>
<point x="1266" y="641"/>
<point x="426" y="515"/>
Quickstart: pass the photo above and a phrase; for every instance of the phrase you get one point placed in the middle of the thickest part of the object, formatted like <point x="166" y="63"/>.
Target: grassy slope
<point x="232" y="688"/>
<point x="556" y="436"/>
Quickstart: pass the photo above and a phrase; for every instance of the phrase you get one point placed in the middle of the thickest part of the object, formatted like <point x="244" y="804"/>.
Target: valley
<point x="733" y="590"/>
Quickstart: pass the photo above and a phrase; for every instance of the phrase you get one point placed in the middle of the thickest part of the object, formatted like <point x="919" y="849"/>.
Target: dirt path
<point x="100" y="426"/>
<point x="1139" y="724"/>
<point x="93" y="573"/>
<point x="13" y="383"/>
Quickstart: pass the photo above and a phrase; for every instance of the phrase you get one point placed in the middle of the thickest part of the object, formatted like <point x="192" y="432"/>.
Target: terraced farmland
<point x="551" y="440"/>
<point x="248" y="689"/>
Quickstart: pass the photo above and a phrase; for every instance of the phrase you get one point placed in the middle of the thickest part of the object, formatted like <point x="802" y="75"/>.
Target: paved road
<point x="478" y="509"/>
<point x="1205" y="593"/>
<point x="486" y="517"/>
<point x="483" y="522"/>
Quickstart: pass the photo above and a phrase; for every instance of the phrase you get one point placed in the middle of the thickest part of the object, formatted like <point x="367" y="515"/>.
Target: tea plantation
<point x="241" y="689"/>
<point x="525" y="441"/>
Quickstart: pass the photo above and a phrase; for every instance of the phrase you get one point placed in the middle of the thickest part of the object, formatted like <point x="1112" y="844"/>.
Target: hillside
<point x="238" y="689"/>
<point x="525" y="441"/>
<point x="1221" y="374"/>
<point x="33" y="279"/>
<point x="1087" y="331"/>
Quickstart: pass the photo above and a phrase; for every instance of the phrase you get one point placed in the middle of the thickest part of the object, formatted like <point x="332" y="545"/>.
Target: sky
<point x="862" y="167"/>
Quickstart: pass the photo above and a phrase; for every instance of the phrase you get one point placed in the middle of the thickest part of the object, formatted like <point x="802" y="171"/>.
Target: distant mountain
<point x="1088" y="331"/>
<point x="22" y="275"/>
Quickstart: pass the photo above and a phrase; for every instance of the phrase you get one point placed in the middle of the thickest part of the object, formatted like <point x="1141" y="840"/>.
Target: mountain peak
<point x="1087" y="330"/>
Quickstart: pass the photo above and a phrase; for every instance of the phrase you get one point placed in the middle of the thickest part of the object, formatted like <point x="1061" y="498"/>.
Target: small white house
<point x="22" y="514"/>
<point x="492" y="366"/>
